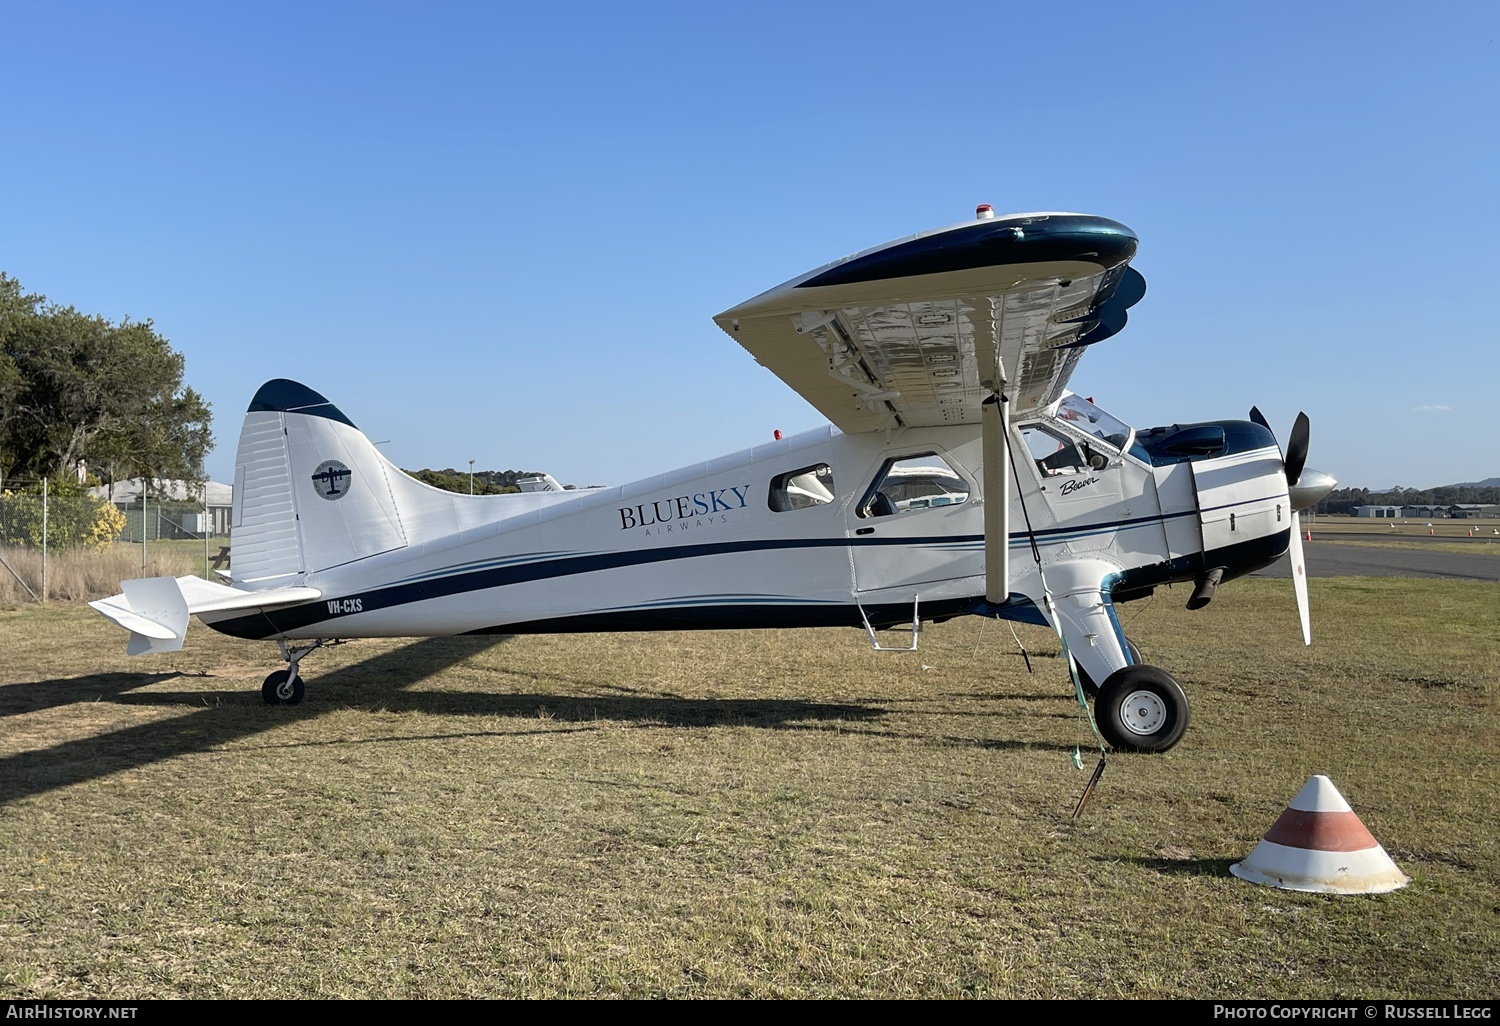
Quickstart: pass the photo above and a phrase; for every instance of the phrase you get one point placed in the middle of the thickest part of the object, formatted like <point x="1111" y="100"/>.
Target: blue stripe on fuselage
<point x="460" y="581"/>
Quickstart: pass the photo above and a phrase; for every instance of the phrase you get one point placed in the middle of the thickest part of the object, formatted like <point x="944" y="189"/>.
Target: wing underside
<point x="908" y="334"/>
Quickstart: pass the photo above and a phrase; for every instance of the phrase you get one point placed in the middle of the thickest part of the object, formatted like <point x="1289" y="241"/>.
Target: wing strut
<point x="994" y="429"/>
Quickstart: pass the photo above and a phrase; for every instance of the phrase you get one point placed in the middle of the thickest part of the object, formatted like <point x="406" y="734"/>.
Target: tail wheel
<point x="1141" y="709"/>
<point x="1089" y="687"/>
<point x="282" y="688"/>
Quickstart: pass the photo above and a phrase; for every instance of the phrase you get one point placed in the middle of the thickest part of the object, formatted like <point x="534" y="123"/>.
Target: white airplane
<point x="959" y="477"/>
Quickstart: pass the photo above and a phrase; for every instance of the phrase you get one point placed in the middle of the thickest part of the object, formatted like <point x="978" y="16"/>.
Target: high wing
<point x="907" y="334"/>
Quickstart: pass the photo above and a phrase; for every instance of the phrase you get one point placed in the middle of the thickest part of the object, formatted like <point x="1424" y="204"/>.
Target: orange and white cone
<point x="1320" y="845"/>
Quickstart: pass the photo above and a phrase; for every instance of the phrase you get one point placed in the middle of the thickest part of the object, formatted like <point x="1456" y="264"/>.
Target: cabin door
<point x="914" y="526"/>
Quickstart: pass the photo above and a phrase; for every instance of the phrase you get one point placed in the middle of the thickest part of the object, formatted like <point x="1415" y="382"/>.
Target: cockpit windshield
<point x="1085" y="416"/>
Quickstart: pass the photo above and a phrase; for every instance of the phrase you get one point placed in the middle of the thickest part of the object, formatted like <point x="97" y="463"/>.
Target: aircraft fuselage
<point x="716" y="545"/>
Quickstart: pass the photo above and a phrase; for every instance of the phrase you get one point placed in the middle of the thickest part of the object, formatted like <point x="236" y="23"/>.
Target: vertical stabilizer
<point x="311" y="491"/>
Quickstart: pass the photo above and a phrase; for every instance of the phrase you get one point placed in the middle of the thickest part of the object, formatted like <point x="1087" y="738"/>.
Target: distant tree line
<point x="1343" y="500"/>
<point x="81" y="393"/>
<point x="486" y="482"/>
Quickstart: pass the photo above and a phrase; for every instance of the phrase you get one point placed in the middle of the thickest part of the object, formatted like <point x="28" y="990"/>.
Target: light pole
<point x="471" y="477"/>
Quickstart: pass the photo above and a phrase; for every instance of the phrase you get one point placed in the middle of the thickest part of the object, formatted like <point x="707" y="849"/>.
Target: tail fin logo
<point x="332" y="479"/>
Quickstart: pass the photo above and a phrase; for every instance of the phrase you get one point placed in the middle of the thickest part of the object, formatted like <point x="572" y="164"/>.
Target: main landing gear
<point x="1089" y="687"/>
<point x="1139" y="708"/>
<point x="284" y="687"/>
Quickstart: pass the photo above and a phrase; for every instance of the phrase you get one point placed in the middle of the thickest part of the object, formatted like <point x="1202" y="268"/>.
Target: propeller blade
<point x="1296" y="449"/>
<point x="1260" y="418"/>
<point x="1299" y="578"/>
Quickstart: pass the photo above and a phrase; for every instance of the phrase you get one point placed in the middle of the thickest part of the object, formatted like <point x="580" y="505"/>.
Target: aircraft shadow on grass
<point x="380" y="682"/>
<point x="1174" y="867"/>
<point x="384" y="682"/>
<point x="92" y="687"/>
<point x="201" y="729"/>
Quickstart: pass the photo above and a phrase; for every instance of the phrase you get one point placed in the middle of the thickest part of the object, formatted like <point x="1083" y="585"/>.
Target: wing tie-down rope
<point x="1056" y="621"/>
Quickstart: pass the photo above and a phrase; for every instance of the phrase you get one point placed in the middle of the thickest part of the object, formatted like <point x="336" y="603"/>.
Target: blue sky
<point x="499" y="233"/>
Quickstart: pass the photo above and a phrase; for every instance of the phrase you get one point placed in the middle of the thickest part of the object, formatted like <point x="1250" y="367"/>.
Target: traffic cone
<point x="1320" y="845"/>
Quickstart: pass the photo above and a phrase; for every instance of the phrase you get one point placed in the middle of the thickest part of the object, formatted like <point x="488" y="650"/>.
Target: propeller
<point x="1299" y="577"/>
<point x="1304" y="488"/>
<point x="1296" y="449"/>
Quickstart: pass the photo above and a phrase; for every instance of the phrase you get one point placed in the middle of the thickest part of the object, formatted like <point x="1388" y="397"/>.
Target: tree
<point x="78" y="388"/>
<point x="486" y="482"/>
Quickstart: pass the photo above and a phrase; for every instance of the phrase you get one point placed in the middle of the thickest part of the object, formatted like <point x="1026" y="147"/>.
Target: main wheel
<point x="1141" y="709"/>
<point x="281" y="688"/>
<point x="1089" y="687"/>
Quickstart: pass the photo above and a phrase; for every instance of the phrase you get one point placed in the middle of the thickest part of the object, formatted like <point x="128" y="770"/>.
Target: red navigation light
<point x="984" y="211"/>
<point x="778" y="434"/>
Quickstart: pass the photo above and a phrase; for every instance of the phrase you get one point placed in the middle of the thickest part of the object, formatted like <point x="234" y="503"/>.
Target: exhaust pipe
<point x="1203" y="594"/>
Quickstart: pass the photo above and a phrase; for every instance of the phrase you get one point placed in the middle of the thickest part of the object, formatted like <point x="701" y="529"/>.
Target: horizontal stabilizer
<point x="155" y="610"/>
<point x="539" y="483"/>
<point x="207" y="597"/>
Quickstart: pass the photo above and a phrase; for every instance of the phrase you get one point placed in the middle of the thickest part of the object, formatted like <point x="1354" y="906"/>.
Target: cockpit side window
<point x="910" y="484"/>
<point x="1056" y="453"/>
<point x="799" y="489"/>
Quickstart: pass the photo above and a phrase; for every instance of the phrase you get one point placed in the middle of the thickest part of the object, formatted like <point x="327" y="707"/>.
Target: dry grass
<point x="81" y="575"/>
<point x="745" y="814"/>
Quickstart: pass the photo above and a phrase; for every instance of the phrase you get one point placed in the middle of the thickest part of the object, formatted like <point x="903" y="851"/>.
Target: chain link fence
<point x="76" y="547"/>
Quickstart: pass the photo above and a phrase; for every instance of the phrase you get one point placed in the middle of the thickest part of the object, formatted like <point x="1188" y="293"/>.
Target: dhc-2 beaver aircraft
<point x="959" y="477"/>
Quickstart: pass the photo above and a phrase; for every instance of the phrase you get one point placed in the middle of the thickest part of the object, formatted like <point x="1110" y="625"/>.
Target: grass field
<point x="1445" y="536"/>
<point x="1474" y="548"/>
<point x="1397" y="529"/>
<point x="746" y="814"/>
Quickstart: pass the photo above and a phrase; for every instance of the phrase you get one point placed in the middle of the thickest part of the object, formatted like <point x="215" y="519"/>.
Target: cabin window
<point x="799" y="489"/>
<point x="911" y="484"/>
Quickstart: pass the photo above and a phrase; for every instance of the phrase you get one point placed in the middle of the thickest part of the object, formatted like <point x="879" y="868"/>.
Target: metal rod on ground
<point x="44" y="539"/>
<point x="1098" y="772"/>
<point x="204" y="525"/>
<point x="143" y="527"/>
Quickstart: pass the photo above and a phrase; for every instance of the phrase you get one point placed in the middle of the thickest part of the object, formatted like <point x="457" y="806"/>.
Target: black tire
<point x="1090" y="689"/>
<point x="277" y="691"/>
<point x="1141" y="709"/>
